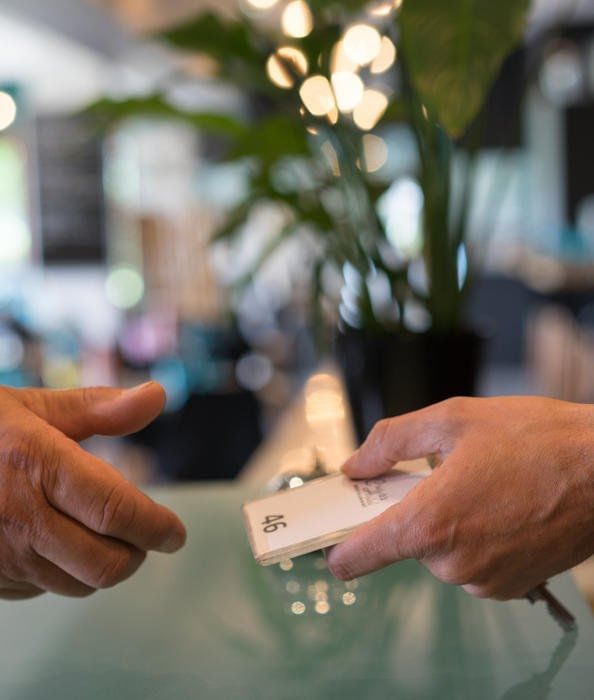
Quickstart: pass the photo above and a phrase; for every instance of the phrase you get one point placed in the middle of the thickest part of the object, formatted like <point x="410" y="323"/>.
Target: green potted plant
<point x="323" y="77"/>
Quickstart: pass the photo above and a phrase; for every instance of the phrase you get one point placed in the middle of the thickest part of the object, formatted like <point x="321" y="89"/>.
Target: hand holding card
<point x="319" y="514"/>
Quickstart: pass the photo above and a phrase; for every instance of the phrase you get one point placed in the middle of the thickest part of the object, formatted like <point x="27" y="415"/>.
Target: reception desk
<point x="209" y="623"/>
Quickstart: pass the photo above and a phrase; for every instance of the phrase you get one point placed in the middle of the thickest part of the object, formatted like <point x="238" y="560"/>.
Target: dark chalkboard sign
<point x="72" y="209"/>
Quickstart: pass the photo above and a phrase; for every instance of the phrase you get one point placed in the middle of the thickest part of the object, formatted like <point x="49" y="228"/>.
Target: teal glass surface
<point x="209" y="623"/>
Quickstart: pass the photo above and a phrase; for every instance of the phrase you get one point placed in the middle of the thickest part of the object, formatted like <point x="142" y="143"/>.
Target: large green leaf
<point x="272" y="138"/>
<point x="239" y="48"/>
<point x="454" y="49"/>
<point x="111" y="111"/>
<point x="211" y="34"/>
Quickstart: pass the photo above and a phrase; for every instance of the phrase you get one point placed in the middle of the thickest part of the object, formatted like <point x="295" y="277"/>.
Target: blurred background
<point x="164" y="215"/>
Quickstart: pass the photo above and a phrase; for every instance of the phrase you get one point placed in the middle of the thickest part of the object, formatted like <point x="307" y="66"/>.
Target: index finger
<point x="97" y="495"/>
<point x="421" y="433"/>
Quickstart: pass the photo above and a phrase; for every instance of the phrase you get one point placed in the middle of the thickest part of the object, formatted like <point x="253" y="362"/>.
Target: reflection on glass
<point x="539" y="686"/>
<point x="293" y="587"/>
<point x="349" y="598"/>
<point x="298" y="608"/>
<point x="322" y="607"/>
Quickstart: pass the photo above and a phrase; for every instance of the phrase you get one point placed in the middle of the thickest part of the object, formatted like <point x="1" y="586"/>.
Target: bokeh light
<point x="124" y="287"/>
<point x="348" y="90"/>
<point x="381" y="9"/>
<point x="362" y="43"/>
<point x="8" y="110"/>
<point x="323" y="400"/>
<point x="254" y="371"/>
<point x="12" y="350"/>
<point x="262" y="4"/>
<point x="385" y="58"/>
<point x="562" y="77"/>
<point x="297" y="20"/>
<point x="316" y="94"/>
<point x="401" y="209"/>
<point x="349" y="598"/>
<point x="298" y="608"/>
<point x="281" y="74"/>
<point x="370" y="109"/>
<point x="340" y="61"/>
<point x="15" y="238"/>
<point x="375" y="151"/>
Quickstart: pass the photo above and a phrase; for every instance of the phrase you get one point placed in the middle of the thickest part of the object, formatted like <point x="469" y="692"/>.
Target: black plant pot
<point x="387" y="374"/>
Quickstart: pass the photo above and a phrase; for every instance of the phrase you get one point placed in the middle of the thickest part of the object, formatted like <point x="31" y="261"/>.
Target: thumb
<point x="382" y="541"/>
<point x="419" y="434"/>
<point x="80" y="413"/>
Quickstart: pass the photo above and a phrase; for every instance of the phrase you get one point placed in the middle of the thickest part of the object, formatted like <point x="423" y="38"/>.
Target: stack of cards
<point x="319" y="514"/>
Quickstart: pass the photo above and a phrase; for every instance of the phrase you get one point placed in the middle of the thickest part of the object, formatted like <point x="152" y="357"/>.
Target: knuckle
<point x="456" y="406"/>
<point x="22" y="528"/>
<point x="431" y="531"/>
<point x="88" y="396"/>
<point x="21" y="449"/>
<point x="115" y="570"/>
<point x="378" y="440"/>
<point x="115" y="512"/>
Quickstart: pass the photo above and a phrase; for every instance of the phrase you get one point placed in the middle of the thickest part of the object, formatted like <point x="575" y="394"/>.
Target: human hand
<point x="70" y="523"/>
<point x="511" y="504"/>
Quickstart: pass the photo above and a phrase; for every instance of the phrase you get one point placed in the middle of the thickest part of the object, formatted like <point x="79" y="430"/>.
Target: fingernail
<point x="139" y="388"/>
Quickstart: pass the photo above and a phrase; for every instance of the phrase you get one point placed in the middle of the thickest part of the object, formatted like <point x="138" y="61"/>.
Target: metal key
<point x="556" y="609"/>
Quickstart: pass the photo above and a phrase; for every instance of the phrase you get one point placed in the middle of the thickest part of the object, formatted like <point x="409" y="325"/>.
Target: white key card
<point x="320" y="513"/>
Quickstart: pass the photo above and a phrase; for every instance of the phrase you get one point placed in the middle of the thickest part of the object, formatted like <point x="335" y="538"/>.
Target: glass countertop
<point x="209" y="623"/>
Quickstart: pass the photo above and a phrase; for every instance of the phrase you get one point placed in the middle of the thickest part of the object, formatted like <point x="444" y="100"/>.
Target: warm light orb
<point x="370" y="109"/>
<point x="384" y="7"/>
<point x="385" y="58"/>
<point x="297" y="20"/>
<point x="348" y="90"/>
<point x="324" y="402"/>
<point x="317" y="95"/>
<point x="8" y="110"/>
<point x="362" y="43"/>
<point x="262" y="4"/>
<point x="340" y="61"/>
<point x="375" y="152"/>
<point x="281" y="74"/>
<point x="332" y="115"/>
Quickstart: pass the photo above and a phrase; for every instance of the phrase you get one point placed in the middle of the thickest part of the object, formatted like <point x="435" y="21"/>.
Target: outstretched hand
<point x="511" y="504"/>
<point x="69" y="522"/>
